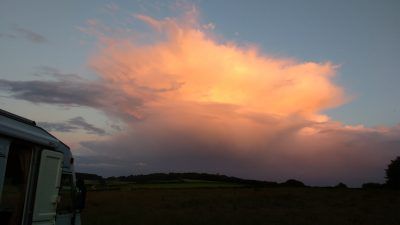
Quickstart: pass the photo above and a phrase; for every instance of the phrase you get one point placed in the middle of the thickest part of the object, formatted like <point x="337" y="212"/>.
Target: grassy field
<point x="166" y="204"/>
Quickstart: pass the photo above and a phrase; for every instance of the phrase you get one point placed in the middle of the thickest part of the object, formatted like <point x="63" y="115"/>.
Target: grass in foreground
<point x="209" y="206"/>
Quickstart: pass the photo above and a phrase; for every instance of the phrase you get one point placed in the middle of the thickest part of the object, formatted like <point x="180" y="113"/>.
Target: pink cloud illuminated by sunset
<point x="205" y="104"/>
<point x="186" y="66"/>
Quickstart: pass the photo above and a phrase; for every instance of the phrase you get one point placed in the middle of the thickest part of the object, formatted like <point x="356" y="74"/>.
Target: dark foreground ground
<point x="238" y="205"/>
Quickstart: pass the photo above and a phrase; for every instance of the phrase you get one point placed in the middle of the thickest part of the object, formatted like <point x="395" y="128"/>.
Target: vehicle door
<point x="47" y="189"/>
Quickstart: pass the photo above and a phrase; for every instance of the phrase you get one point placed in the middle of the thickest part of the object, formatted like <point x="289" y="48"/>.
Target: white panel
<point x="14" y="128"/>
<point x="48" y="184"/>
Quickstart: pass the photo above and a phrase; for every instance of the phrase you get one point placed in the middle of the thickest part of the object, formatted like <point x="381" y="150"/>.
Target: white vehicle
<point x="37" y="178"/>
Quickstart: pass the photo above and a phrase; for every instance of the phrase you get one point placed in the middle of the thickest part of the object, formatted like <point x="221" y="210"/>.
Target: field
<point x="209" y="203"/>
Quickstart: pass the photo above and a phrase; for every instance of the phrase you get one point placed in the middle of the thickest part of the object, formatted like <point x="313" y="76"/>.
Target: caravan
<point x="37" y="179"/>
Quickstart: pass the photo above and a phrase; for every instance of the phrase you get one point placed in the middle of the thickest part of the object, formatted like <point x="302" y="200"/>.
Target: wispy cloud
<point x="74" y="124"/>
<point x="7" y="35"/>
<point x="71" y="90"/>
<point x="30" y="35"/>
<point x="111" y="8"/>
<point x="64" y="92"/>
<point x="48" y="71"/>
<point x="24" y="33"/>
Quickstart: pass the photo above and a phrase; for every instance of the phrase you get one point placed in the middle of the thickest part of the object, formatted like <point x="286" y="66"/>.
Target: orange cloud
<point x="203" y="104"/>
<point x="184" y="65"/>
<point x="189" y="101"/>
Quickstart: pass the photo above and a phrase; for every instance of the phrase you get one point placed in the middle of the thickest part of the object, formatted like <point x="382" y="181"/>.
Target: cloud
<point x="72" y="125"/>
<point x="65" y="92"/>
<point x="209" y="26"/>
<point x="231" y="109"/>
<point x="60" y="127"/>
<point x="19" y="32"/>
<point x="30" y="35"/>
<point x="316" y="153"/>
<point x="111" y="8"/>
<point x="184" y="65"/>
<point x="7" y="35"/>
<point x="48" y="71"/>
<point x="81" y="123"/>
<point x="192" y="102"/>
<point x="71" y="90"/>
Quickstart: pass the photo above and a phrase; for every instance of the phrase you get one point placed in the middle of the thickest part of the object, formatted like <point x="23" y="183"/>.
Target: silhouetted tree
<point x="371" y="185"/>
<point x="88" y="176"/>
<point x="293" y="183"/>
<point x="341" y="185"/>
<point x="393" y="174"/>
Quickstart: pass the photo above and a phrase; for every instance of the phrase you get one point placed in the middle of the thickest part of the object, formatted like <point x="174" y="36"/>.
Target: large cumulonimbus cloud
<point x="227" y="108"/>
<point x="192" y="102"/>
<point x="183" y="65"/>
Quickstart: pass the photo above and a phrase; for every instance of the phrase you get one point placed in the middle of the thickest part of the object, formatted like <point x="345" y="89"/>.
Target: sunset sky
<point x="268" y="90"/>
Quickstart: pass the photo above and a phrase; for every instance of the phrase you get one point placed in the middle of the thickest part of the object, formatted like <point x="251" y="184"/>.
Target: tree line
<point x="392" y="179"/>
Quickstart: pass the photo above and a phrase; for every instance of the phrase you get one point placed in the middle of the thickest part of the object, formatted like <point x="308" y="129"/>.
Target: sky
<point x="268" y="90"/>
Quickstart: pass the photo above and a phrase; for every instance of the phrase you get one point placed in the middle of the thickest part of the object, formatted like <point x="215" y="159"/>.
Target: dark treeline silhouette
<point x="88" y="176"/>
<point x="292" y="183"/>
<point x="181" y="177"/>
<point x="341" y="185"/>
<point x="392" y="179"/>
<point x="372" y="185"/>
<point x="184" y="177"/>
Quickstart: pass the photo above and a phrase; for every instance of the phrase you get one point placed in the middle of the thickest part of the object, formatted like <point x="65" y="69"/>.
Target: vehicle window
<point x="15" y="184"/>
<point x="66" y="203"/>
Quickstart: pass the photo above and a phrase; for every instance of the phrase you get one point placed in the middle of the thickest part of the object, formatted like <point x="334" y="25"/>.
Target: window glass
<point x="66" y="203"/>
<point x="15" y="184"/>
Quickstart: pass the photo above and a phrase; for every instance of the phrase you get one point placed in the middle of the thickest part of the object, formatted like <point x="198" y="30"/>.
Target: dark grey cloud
<point x="30" y="35"/>
<point x="27" y="34"/>
<point x="47" y="71"/>
<point x="71" y="90"/>
<point x="7" y="35"/>
<point x="55" y="92"/>
<point x="60" y="127"/>
<point x="77" y="123"/>
<point x="80" y="122"/>
<point x="116" y="127"/>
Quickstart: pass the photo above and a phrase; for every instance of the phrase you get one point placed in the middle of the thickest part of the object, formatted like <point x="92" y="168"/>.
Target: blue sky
<point x="361" y="36"/>
<point x="42" y="41"/>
